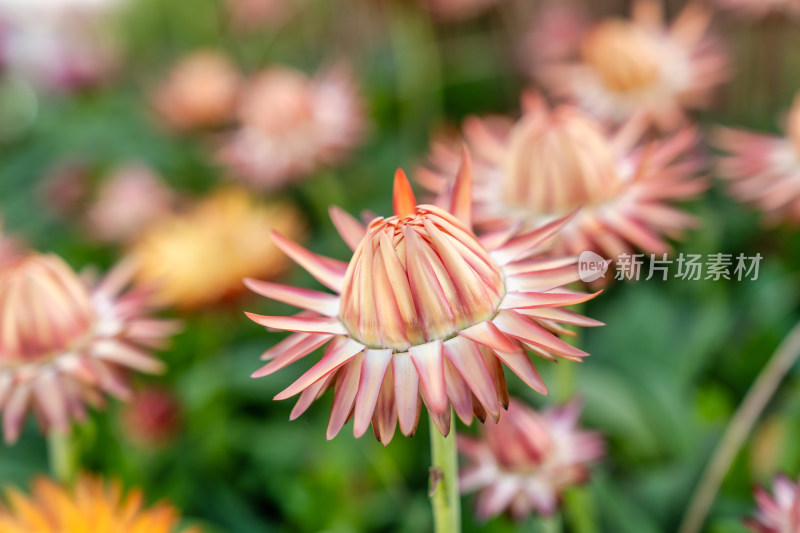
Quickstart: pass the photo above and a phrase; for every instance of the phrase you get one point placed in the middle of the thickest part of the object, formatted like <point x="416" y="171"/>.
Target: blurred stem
<point x="580" y="510"/>
<point x="62" y="456"/>
<point x="444" y="480"/>
<point x="738" y="428"/>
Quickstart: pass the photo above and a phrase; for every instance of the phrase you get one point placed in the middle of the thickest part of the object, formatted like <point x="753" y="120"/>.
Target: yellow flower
<point x="93" y="506"/>
<point x="199" y="258"/>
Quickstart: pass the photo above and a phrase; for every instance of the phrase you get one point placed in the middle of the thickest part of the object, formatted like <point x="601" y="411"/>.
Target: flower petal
<point x="339" y="352"/>
<point x="320" y="302"/>
<point x="406" y="393"/>
<point x="327" y="271"/>
<point x="373" y="372"/>
<point x="428" y="360"/>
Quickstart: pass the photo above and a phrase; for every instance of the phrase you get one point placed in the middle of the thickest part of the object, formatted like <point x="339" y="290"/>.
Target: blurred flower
<point x="524" y="463"/>
<point x="9" y="247"/>
<point x="65" y="341"/>
<point x="130" y="199"/>
<point x="556" y="33"/>
<point x="761" y="8"/>
<point x="552" y="162"/>
<point x="423" y="309"/>
<point x="58" y="44"/>
<point x="764" y="170"/>
<point x="248" y="15"/>
<point x="458" y="9"/>
<point x="199" y="258"/>
<point x="779" y="513"/>
<point x="200" y="92"/>
<point x="65" y="188"/>
<point x="92" y="506"/>
<point x="152" y="418"/>
<point x="643" y="66"/>
<point x="291" y="124"/>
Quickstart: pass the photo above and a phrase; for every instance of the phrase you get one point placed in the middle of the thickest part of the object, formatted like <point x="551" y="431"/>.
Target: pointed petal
<point x="528" y="300"/>
<point x="521" y="365"/>
<point x="319" y="302"/>
<point x="561" y="315"/>
<point x="127" y="356"/>
<point x="458" y="392"/>
<point x="308" y="396"/>
<point x="299" y="350"/>
<point x="307" y="324"/>
<point x="461" y="195"/>
<point x="50" y="398"/>
<point x="488" y="335"/>
<point x="14" y="412"/>
<point x="428" y="360"/>
<point x="519" y="327"/>
<point x="495" y="369"/>
<point x="288" y="344"/>
<point x="373" y="371"/>
<point x="403" y="200"/>
<point x="406" y="392"/>
<point x="345" y="395"/>
<point x="339" y="352"/>
<point x="467" y="358"/>
<point x="441" y="420"/>
<point x="327" y="271"/>
<point x="384" y="419"/>
<point x="351" y="230"/>
<point x="517" y="247"/>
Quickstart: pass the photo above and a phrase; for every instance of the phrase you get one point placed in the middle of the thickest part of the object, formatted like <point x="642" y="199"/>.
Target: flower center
<point x="557" y="162"/>
<point x="45" y="309"/>
<point x="623" y="55"/>
<point x="416" y="279"/>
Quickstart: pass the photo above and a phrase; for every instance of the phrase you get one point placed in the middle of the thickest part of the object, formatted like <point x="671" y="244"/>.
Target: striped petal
<point x="519" y="327"/>
<point x="519" y="246"/>
<point x="319" y="302"/>
<point x="488" y="335"/>
<point x="521" y="365"/>
<point x="300" y="349"/>
<point x="406" y="393"/>
<point x="528" y="300"/>
<point x="308" y="396"/>
<point x="373" y="371"/>
<point x="128" y="356"/>
<point x="458" y="392"/>
<point x="339" y="352"/>
<point x="307" y="324"/>
<point x="345" y="395"/>
<point x="327" y="271"/>
<point x="428" y="360"/>
<point x="351" y="230"/>
<point x="466" y="357"/>
<point x="384" y="419"/>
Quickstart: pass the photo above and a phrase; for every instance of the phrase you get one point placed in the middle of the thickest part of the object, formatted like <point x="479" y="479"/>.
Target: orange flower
<point x="527" y="460"/>
<point x="200" y="92"/>
<point x="551" y="162"/>
<point x="291" y="124"/>
<point x="640" y="65"/>
<point x="199" y="258"/>
<point x="424" y="310"/>
<point x="93" y="506"/>
<point x="64" y="341"/>
<point x="764" y="170"/>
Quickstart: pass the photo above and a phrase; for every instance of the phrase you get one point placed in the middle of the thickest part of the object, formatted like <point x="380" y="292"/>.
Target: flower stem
<point x="62" y="456"/>
<point x="444" y="480"/>
<point x="738" y="428"/>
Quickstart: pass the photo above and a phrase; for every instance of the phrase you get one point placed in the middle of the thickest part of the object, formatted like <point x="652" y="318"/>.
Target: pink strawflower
<point x="643" y="65"/>
<point x="130" y="199"/>
<point x="524" y="463"/>
<point x="59" y="45"/>
<point x="152" y="418"/>
<point x="764" y="170"/>
<point x="555" y="35"/>
<point x="66" y="341"/>
<point x="424" y="310"/>
<point x="780" y="512"/>
<point x="551" y="162"/>
<point x="201" y="91"/>
<point x="290" y="124"/>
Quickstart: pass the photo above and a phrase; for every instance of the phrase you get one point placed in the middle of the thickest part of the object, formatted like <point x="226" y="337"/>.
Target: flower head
<point x="201" y="91"/>
<point x="129" y="200"/>
<point x="779" y="513"/>
<point x="93" y="505"/>
<point x="424" y="310"/>
<point x="640" y="65"/>
<point x="523" y="463"/>
<point x="764" y="170"/>
<point x="552" y="162"/>
<point x="290" y="124"/>
<point x="152" y="418"/>
<point x="64" y="341"/>
<point x="199" y="258"/>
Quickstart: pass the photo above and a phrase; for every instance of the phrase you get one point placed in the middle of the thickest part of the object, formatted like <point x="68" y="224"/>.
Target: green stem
<point x="551" y="524"/>
<point x="444" y="494"/>
<point x="62" y="456"/>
